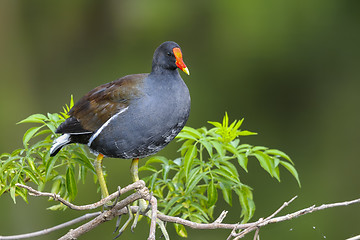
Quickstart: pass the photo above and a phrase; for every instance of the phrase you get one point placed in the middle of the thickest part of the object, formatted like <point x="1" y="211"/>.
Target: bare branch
<point x="103" y="217"/>
<point x="143" y="193"/>
<point x="153" y="202"/>
<point x="256" y="236"/>
<point x="221" y="217"/>
<point x="133" y="186"/>
<point x="301" y="212"/>
<point x="261" y="220"/>
<point x="52" y="229"/>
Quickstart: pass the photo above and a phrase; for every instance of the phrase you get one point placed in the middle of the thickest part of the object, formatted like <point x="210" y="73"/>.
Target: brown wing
<point x="101" y="103"/>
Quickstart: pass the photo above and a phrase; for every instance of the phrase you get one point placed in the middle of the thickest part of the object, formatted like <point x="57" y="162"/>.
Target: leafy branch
<point x="33" y="162"/>
<point x="210" y="163"/>
<point x="209" y="160"/>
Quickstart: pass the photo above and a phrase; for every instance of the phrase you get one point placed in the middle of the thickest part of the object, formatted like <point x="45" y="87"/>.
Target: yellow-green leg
<point x="134" y="170"/>
<point x="100" y="175"/>
<point x="142" y="203"/>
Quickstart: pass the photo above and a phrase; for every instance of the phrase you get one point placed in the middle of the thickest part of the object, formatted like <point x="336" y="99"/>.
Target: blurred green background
<point x="291" y="68"/>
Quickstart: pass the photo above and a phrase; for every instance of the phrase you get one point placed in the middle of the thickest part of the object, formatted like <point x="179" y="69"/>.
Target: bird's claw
<point x="131" y="216"/>
<point x="110" y="204"/>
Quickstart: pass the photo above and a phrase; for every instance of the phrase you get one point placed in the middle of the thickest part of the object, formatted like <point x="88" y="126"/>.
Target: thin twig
<point x="296" y="214"/>
<point x="261" y="220"/>
<point x="136" y="185"/>
<point x="233" y="232"/>
<point x="285" y="204"/>
<point x="256" y="235"/>
<point x="52" y="229"/>
<point x="221" y="217"/>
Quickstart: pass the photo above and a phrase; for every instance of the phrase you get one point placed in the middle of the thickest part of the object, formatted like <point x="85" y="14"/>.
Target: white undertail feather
<point x="59" y="142"/>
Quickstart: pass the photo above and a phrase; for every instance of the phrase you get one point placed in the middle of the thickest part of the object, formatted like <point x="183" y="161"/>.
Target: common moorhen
<point x="132" y="117"/>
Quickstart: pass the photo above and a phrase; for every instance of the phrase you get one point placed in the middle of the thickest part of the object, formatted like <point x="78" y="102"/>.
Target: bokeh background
<point x="290" y="68"/>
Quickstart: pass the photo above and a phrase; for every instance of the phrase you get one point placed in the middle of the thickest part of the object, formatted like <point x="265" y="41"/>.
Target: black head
<point x="168" y="56"/>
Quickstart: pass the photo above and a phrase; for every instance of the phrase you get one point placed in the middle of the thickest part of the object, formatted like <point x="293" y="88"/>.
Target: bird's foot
<point x="143" y="210"/>
<point x="131" y="216"/>
<point x="111" y="204"/>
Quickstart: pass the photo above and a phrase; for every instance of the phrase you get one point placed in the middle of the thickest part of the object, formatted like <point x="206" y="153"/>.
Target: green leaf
<point x="238" y="124"/>
<point x="49" y="166"/>
<point x="71" y="186"/>
<point x="147" y="168"/>
<point x="259" y="148"/>
<point x="12" y="193"/>
<point x="184" y="147"/>
<point x="191" y="184"/>
<point x="51" y="126"/>
<point x="246" y="133"/>
<point x="224" y="173"/>
<point x="180" y="230"/>
<point x="246" y="202"/>
<point x="83" y="160"/>
<point x="171" y="203"/>
<point x="5" y="164"/>
<point x="227" y="193"/>
<point x="225" y="120"/>
<point x="174" y="211"/>
<point x="207" y="145"/>
<point x="153" y="180"/>
<point x="276" y="173"/>
<point x="157" y="159"/>
<point x="264" y="161"/>
<point x="212" y="194"/>
<point x="46" y="131"/>
<point x="242" y="160"/>
<point x="229" y="168"/>
<point x="196" y="217"/>
<point x="188" y="159"/>
<point x="22" y="193"/>
<point x="276" y="152"/>
<point x="218" y="147"/>
<point x="292" y="170"/>
<point x="57" y="207"/>
<point x="35" y="118"/>
<point x="244" y="146"/>
<point x="31" y="175"/>
<point x="186" y="135"/>
<point x="56" y="186"/>
<point x="29" y="134"/>
<point x="189" y="133"/>
<point x="201" y="210"/>
<point x="216" y="124"/>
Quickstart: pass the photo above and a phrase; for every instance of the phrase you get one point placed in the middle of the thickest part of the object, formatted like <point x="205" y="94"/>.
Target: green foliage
<point x="34" y="164"/>
<point x="209" y="165"/>
<point x="210" y="162"/>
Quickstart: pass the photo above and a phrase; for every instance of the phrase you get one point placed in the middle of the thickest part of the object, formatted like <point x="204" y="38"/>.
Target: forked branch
<point x="238" y="230"/>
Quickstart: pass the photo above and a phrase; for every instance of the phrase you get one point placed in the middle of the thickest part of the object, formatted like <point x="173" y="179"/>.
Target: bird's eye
<point x="168" y="53"/>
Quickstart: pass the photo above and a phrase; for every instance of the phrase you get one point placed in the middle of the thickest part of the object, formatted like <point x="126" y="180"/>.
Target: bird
<point x="132" y="117"/>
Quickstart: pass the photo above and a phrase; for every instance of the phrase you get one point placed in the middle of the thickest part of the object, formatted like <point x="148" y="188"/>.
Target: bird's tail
<point x="59" y="143"/>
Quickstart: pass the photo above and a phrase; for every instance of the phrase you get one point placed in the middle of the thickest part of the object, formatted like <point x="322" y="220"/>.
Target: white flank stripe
<point x="104" y="125"/>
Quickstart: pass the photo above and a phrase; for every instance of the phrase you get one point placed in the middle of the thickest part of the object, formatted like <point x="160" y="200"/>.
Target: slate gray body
<point x="133" y="117"/>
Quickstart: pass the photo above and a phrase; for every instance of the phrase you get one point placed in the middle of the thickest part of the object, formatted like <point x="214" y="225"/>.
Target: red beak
<point x="179" y="60"/>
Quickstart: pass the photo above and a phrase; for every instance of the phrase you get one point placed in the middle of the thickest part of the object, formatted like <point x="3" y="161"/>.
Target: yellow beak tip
<point x="186" y="70"/>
